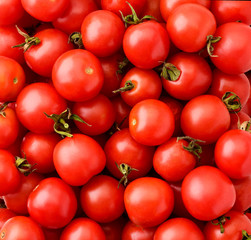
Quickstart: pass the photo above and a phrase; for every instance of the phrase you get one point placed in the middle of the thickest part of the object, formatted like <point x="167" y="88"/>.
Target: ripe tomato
<point x="178" y="229"/>
<point x="237" y="119"/>
<point x="81" y="228"/>
<point x="233" y="153"/>
<point x="45" y="10"/>
<point x="148" y="210"/>
<point x="12" y="79"/>
<point x="140" y="84"/>
<point x="225" y="50"/>
<point x="98" y="112"/>
<point x="72" y="153"/>
<point x="206" y="199"/>
<point x="195" y="76"/>
<point x="22" y="228"/>
<point x="189" y="25"/>
<point x="101" y="199"/>
<point x="151" y="122"/>
<point x="146" y="45"/>
<point x="152" y="8"/>
<point x="41" y="202"/>
<point x="102" y="33"/>
<point x="5" y="214"/>
<point x="9" y="174"/>
<point x="198" y="118"/>
<point x="80" y="81"/>
<point x="33" y="101"/>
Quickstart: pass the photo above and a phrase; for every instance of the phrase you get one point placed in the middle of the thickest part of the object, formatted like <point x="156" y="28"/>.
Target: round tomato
<point x="80" y="81"/>
<point x="148" y="210"/>
<point x="152" y="8"/>
<point x="41" y="201"/>
<point x="5" y="214"/>
<point x="72" y="153"/>
<point x="151" y="122"/>
<point x="206" y="199"/>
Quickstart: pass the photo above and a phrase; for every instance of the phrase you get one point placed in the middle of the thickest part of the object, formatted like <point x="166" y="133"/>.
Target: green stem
<point x="245" y="235"/>
<point x="232" y="102"/>
<point x="125" y="169"/>
<point x="210" y="40"/>
<point x="76" y="39"/>
<point x="170" y="72"/>
<point x="220" y="221"/>
<point x="128" y="86"/>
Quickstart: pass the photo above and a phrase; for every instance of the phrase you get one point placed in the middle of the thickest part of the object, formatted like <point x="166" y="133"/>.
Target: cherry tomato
<point x="237" y="119"/>
<point x="42" y="201"/>
<point x="151" y="122"/>
<point x="152" y="8"/>
<point x="102" y="33"/>
<point x="80" y="81"/>
<point x="5" y="214"/>
<point x="72" y="153"/>
<point x="33" y="101"/>
<point x="148" y="210"/>
<point x="206" y="199"/>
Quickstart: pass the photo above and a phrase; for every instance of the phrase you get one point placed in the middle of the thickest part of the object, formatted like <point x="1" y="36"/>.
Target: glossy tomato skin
<point x="178" y="229"/>
<point x="81" y="81"/>
<point x="81" y="228"/>
<point x="198" y="118"/>
<point x="41" y="58"/>
<point x="70" y="21"/>
<point x="98" y="112"/>
<point x="146" y="45"/>
<point x="12" y="79"/>
<point x="206" y="199"/>
<point x="232" y="227"/>
<point x="233" y="152"/>
<point x="122" y="148"/>
<point x="102" y="33"/>
<point x="232" y="33"/>
<point x="23" y="228"/>
<point x="45" y="11"/>
<point x="152" y="8"/>
<point x="148" y="210"/>
<point x="72" y="153"/>
<point x="10" y="176"/>
<point x="151" y="122"/>
<point x="195" y="76"/>
<point x="33" y="101"/>
<point x="172" y="162"/>
<point x="133" y="231"/>
<point x="5" y="214"/>
<point x="147" y="85"/>
<point x="102" y="198"/>
<point x="184" y="26"/>
<point x="41" y="202"/>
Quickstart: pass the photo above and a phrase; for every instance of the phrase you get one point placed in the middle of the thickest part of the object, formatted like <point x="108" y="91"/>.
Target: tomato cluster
<point x="125" y="120"/>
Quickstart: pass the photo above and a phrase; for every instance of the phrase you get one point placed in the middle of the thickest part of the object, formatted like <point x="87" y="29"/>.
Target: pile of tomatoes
<point x="125" y="120"/>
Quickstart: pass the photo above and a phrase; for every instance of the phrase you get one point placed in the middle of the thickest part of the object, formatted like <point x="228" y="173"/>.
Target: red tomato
<point x="151" y="122"/>
<point x="5" y="214"/>
<point x="45" y="10"/>
<point x="133" y="231"/>
<point x="195" y="76"/>
<point x="233" y="153"/>
<point x="101" y="199"/>
<point x="232" y="227"/>
<point x="81" y="228"/>
<point x="206" y="199"/>
<point x="34" y="143"/>
<point x="189" y="25"/>
<point x="17" y="201"/>
<point x="42" y="201"/>
<point x="140" y="84"/>
<point x="198" y="118"/>
<point x="102" y="33"/>
<point x="121" y="148"/>
<point x="70" y="21"/>
<point x="72" y="153"/>
<point x="152" y="8"/>
<point x="41" y="58"/>
<point x="237" y="119"/>
<point x="178" y="229"/>
<point x="21" y="228"/>
<point x="80" y="81"/>
<point x="98" y="112"/>
<point x="33" y="101"/>
<point x="172" y="162"/>
<point x="226" y="49"/>
<point x="146" y="45"/>
<point x="9" y="174"/>
<point x="168" y="6"/>
<point x="148" y="210"/>
<point x="52" y="234"/>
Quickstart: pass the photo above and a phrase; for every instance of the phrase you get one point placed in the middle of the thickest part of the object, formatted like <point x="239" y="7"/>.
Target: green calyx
<point x="220" y="221"/>
<point x="246" y="126"/>
<point x="128" y="86"/>
<point x="125" y="169"/>
<point x="232" y="102"/>
<point x="76" y="39"/>
<point x="29" y="41"/>
<point x="245" y="235"/>
<point x="210" y="40"/>
<point x="23" y="166"/>
<point x="170" y="72"/>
